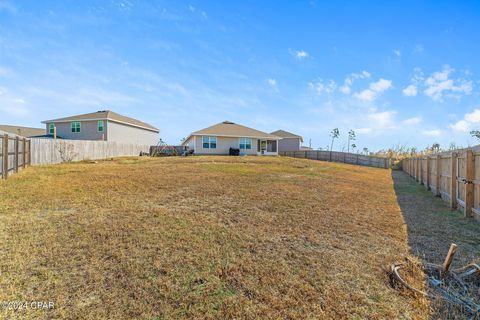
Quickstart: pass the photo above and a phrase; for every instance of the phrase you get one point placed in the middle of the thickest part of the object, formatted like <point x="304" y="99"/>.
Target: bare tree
<point x="475" y="134"/>
<point x="351" y="137"/>
<point x="335" y="134"/>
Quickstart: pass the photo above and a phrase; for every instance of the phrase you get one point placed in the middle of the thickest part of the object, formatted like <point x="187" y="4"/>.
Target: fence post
<point x="305" y="154"/>
<point x="5" y="156"/>
<point x="453" y="181"/>
<point x="17" y="155"/>
<point x="317" y="154"/>
<point x="470" y="165"/>
<point x="419" y="174"/>
<point x="438" y="176"/>
<point x="427" y="168"/>
<point x="420" y="179"/>
<point x="29" y="151"/>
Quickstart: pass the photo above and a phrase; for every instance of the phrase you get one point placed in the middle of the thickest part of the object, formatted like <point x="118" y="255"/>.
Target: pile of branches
<point x="456" y="290"/>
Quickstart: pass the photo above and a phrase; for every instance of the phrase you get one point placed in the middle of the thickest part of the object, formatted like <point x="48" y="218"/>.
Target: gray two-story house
<point x="103" y="125"/>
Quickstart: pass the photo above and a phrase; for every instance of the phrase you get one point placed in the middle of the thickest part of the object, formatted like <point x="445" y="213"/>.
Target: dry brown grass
<point x="204" y="237"/>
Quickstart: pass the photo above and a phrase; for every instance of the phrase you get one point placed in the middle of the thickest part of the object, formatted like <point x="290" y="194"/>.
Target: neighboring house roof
<point x="304" y="148"/>
<point x="106" y="115"/>
<point x="286" y="134"/>
<point x="22" y="131"/>
<point x="230" y="129"/>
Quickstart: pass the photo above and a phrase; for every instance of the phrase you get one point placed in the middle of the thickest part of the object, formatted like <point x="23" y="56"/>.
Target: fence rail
<point x="453" y="176"/>
<point x="351" y="158"/>
<point x="15" y="154"/>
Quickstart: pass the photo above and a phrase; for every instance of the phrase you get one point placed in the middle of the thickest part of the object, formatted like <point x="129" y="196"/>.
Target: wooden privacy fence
<point x="14" y="154"/>
<point x="351" y="158"/>
<point x="453" y="176"/>
<point x="50" y="151"/>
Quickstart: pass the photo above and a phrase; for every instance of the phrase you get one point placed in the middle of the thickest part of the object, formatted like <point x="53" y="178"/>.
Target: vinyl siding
<point x="124" y="133"/>
<point x="289" y="144"/>
<point x="223" y="146"/>
<point x="88" y="131"/>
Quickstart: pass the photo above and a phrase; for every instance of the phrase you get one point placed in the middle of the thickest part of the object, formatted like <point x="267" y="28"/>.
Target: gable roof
<point x="106" y="115"/>
<point x="286" y="134"/>
<point x="230" y="129"/>
<point x="22" y="131"/>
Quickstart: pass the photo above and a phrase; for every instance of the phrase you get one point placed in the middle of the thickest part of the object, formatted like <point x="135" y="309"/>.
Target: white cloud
<point x="410" y="91"/>
<point x="320" y="87"/>
<point x="381" y="85"/>
<point x="347" y="86"/>
<point x="412" y="121"/>
<point x="418" y="48"/>
<point x="11" y="105"/>
<point x="432" y="133"/>
<point x="272" y="83"/>
<point x="7" y="6"/>
<point x="363" y="130"/>
<point x="299" y="54"/>
<point x="468" y="122"/>
<point x="383" y="120"/>
<point x="366" y="95"/>
<point x="439" y="85"/>
<point x="397" y="52"/>
<point x="194" y="10"/>
<point x="377" y="121"/>
<point x="373" y="90"/>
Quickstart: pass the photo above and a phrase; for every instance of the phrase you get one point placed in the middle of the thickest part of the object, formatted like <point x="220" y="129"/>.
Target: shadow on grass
<point x="432" y="226"/>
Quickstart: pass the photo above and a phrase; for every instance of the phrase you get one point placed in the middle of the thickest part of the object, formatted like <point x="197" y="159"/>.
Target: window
<point x="100" y="126"/>
<point x="209" y="142"/>
<point x="75" y="126"/>
<point x="245" y="143"/>
<point x="51" y="128"/>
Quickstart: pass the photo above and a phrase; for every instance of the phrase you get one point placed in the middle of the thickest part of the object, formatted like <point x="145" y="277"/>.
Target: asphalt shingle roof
<point x="106" y="114"/>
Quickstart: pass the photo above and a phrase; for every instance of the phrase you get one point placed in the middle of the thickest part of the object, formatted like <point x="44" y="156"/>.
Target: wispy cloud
<point x="374" y="90"/>
<point x="432" y="133"/>
<point x="347" y="85"/>
<point x="412" y="121"/>
<point x="272" y="83"/>
<point x="195" y="10"/>
<point x="439" y="84"/>
<point x="319" y="86"/>
<point x="410" y="91"/>
<point x="7" y="6"/>
<point x="397" y="52"/>
<point x="11" y="105"/>
<point x="470" y="121"/>
<point x="299" y="54"/>
<point x="418" y="48"/>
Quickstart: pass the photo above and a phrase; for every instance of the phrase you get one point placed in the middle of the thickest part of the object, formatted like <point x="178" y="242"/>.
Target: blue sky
<point x="398" y="73"/>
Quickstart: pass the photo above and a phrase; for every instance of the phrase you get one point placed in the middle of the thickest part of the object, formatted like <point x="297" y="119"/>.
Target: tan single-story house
<point x="27" y="132"/>
<point x="219" y="138"/>
<point x="289" y="142"/>
<point x="103" y="125"/>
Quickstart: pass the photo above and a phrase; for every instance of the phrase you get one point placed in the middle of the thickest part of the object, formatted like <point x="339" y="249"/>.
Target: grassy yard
<point x="203" y="237"/>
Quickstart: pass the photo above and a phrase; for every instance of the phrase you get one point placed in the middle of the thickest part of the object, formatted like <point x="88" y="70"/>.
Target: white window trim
<point x="79" y="127"/>
<point x="240" y="143"/>
<point x="210" y="142"/>
<point x="103" y="126"/>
